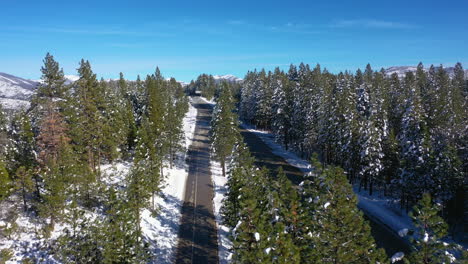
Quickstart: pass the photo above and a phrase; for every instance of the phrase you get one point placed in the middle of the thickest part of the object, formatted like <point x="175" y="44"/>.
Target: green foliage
<point x="24" y="183"/>
<point x="5" y="255"/>
<point x="123" y="242"/>
<point x="4" y="141"/>
<point x="5" y="182"/>
<point x="338" y="231"/>
<point x="430" y="229"/>
<point x="22" y="153"/>
<point x="10" y="227"/>
<point x="224" y="124"/>
<point x="81" y="242"/>
<point x="401" y="135"/>
<point x="53" y="79"/>
<point x="206" y="85"/>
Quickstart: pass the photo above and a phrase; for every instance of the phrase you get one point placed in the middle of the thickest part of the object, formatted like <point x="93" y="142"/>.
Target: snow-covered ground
<point x="376" y="206"/>
<point x="211" y="102"/>
<point x="219" y="183"/>
<point x="9" y="104"/>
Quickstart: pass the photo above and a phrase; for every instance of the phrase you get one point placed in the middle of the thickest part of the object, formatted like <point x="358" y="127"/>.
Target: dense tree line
<point x="272" y="221"/>
<point x="402" y="136"/>
<point x="51" y="156"/>
<point x="206" y="84"/>
<point x="209" y="87"/>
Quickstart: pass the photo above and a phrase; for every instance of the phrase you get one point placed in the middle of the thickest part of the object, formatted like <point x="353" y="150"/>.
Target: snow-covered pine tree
<point x="129" y="130"/>
<point x="247" y="104"/>
<point x="298" y="114"/>
<point x="347" y="127"/>
<point x="281" y="110"/>
<point x="334" y="230"/>
<point x="263" y="99"/>
<point x="283" y="207"/>
<point x="81" y="240"/>
<point x="316" y="93"/>
<point x="176" y="109"/>
<point x="326" y="119"/>
<point x="251" y="234"/>
<point x="413" y="178"/>
<point x="370" y="135"/>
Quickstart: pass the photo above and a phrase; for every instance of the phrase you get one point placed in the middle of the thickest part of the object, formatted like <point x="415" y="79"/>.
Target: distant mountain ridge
<point x="15" y="92"/>
<point x="227" y="77"/>
<point x="402" y="70"/>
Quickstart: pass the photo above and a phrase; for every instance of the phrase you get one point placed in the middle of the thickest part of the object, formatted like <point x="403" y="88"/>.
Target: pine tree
<point x="370" y="134"/>
<point x="52" y="134"/>
<point x="413" y="178"/>
<point x="4" y="141"/>
<point x="86" y="129"/>
<point x="430" y="228"/>
<point x="251" y="234"/>
<point x="224" y="125"/>
<point x="284" y="211"/>
<point x="315" y="94"/>
<point x="24" y="183"/>
<point x="127" y="115"/>
<point x="53" y="80"/>
<point x="247" y="104"/>
<point x="80" y="242"/>
<point x="264" y="95"/>
<point x="280" y="109"/>
<point x="57" y="178"/>
<point x="5" y="182"/>
<point x="241" y="168"/>
<point x="173" y="120"/>
<point x="123" y="238"/>
<point x="22" y="136"/>
<point x="335" y="228"/>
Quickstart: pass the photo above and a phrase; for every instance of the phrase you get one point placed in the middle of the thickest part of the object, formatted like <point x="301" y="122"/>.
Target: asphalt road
<point x="264" y="156"/>
<point x="198" y="241"/>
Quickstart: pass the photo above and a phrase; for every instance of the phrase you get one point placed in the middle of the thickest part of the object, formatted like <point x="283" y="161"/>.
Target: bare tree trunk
<point x="223" y="166"/>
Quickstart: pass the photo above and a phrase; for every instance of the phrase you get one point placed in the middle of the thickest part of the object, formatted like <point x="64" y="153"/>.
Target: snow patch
<point x="397" y="257"/>
<point x="403" y="232"/>
<point x="257" y="236"/>
<point x="220" y="190"/>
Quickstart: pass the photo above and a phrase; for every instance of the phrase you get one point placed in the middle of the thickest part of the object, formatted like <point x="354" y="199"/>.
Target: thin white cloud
<point x="288" y="27"/>
<point x="94" y="31"/>
<point x="370" y="23"/>
<point x="236" y="22"/>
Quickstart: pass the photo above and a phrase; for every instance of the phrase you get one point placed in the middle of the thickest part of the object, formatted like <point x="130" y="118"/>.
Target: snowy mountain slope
<point x="228" y="77"/>
<point x="15" y="92"/>
<point x="15" y="87"/>
<point x="69" y="79"/>
<point x="402" y="70"/>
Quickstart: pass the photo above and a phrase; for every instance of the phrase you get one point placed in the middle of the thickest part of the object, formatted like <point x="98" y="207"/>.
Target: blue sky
<point x="186" y="38"/>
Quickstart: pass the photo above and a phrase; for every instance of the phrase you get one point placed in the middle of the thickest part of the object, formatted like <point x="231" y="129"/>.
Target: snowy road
<point x="198" y="234"/>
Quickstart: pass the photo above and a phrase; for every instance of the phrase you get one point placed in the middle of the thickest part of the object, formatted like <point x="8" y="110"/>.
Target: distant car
<point x="197" y="93"/>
